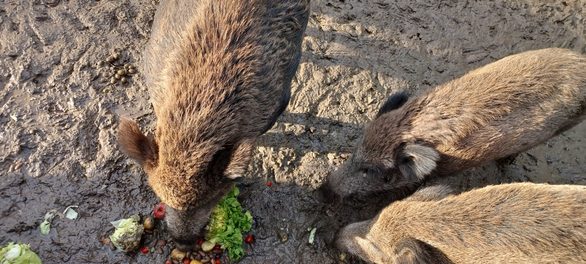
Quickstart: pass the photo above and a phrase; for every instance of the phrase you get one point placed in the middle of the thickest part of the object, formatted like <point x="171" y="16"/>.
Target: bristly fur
<point x="509" y="223"/>
<point x="219" y="74"/>
<point x="497" y="110"/>
<point x="502" y="108"/>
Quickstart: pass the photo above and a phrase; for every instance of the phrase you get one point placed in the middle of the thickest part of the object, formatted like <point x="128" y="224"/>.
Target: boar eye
<point x="389" y="179"/>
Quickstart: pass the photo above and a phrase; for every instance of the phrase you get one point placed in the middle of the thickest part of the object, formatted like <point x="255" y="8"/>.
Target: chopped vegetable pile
<point x="227" y="223"/>
<point x="128" y="232"/>
<point x="18" y="254"/>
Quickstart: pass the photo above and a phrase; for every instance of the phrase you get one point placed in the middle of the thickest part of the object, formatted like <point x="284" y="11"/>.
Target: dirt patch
<point x="58" y="113"/>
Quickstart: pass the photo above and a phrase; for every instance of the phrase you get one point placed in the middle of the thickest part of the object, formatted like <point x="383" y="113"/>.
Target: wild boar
<point x="509" y="223"/>
<point x="490" y="113"/>
<point x="219" y="75"/>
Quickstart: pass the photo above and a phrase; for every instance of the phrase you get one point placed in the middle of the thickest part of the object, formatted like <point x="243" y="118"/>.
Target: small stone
<point x="283" y="236"/>
<point x="131" y="71"/>
<point x="113" y="80"/>
<point x="121" y="72"/>
<point x="116" y="56"/>
<point x="123" y="80"/>
<point x="117" y="76"/>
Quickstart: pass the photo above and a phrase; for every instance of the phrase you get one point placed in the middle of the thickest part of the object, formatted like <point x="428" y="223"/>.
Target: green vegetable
<point x="227" y="223"/>
<point x="128" y="232"/>
<point x="18" y="254"/>
<point x="45" y="226"/>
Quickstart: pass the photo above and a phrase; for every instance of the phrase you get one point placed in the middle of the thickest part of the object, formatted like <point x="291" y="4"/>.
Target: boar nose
<point x="326" y="194"/>
<point x="185" y="245"/>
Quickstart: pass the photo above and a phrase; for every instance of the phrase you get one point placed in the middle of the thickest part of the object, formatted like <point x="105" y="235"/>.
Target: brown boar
<point x="219" y="74"/>
<point x="509" y="223"/>
<point x="498" y="110"/>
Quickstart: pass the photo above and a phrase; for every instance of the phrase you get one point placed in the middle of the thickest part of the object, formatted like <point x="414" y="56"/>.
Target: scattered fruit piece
<point x="159" y="212"/>
<point x="217" y="261"/>
<point x="148" y="223"/>
<point x="177" y="254"/>
<point x="200" y="241"/>
<point x="249" y="239"/>
<point x="207" y="246"/>
<point x="168" y="261"/>
<point x="269" y="183"/>
<point x="195" y="261"/>
<point x="144" y="250"/>
<point x="186" y="260"/>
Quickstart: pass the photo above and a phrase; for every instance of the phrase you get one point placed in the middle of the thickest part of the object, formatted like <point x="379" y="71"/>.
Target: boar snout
<point x="327" y="195"/>
<point x="186" y="226"/>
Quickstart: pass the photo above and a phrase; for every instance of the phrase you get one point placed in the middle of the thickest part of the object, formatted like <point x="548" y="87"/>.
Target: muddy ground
<point x="58" y="116"/>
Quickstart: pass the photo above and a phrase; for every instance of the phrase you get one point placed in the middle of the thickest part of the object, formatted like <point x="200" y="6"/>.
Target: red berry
<point x="168" y="262"/>
<point x="217" y="247"/>
<point x="217" y="261"/>
<point x="269" y="183"/>
<point x="144" y="250"/>
<point x="186" y="261"/>
<point x="159" y="211"/>
<point x="249" y="239"/>
<point x="200" y="241"/>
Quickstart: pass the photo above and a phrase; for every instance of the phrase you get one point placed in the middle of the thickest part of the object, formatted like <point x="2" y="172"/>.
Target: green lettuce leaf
<point x="18" y="254"/>
<point x="227" y="223"/>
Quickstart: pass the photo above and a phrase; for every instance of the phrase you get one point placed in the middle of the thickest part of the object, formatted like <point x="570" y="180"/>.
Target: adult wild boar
<point x="219" y="75"/>
<point x="498" y="110"/>
<point x="509" y="223"/>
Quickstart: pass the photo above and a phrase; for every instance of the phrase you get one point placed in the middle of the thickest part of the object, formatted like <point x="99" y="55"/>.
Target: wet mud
<point x="59" y="111"/>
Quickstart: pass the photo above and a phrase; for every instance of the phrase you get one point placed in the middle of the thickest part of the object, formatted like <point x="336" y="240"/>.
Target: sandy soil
<point x="58" y="116"/>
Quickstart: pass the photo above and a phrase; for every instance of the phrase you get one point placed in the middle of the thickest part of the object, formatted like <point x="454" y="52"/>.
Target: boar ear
<point x="134" y="144"/>
<point x="240" y="159"/>
<point x="394" y="101"/>
<point x="410" y="250"/>
<point x="417" y="161"/>
<point x="218" y="165"/>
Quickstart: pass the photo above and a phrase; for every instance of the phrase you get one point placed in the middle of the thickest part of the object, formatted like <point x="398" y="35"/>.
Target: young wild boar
<point x="490" y="113"/>
<point x="219" y="74"/>
<point x="510" y="223"/>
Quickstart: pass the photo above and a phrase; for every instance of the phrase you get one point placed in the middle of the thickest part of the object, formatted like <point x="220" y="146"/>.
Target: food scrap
<point x="249" y="239"/>
<point x="46" y="224"/>
<point x="227" y="223"/>
<point x="312" y="235"/>
<point x="148" y="223"/>
<point x="159" y="211"/>
<point x="69" y="213"/>
<point x="128" y="233"/>
<point x="18" y="254"/>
